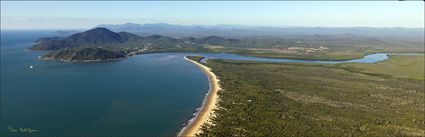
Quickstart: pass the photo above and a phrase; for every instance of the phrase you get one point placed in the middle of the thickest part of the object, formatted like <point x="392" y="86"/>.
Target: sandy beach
<point x="209" y="104"/>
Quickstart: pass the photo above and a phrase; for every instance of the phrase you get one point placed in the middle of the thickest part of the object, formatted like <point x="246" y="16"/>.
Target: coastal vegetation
<point x="291" y="99"/>
<point x="83" y="54"/>
<point x="195" y="58"/>
<point x="398" y="66"/>
<point x="301" y="99"/>
<point x="301" y="46"/>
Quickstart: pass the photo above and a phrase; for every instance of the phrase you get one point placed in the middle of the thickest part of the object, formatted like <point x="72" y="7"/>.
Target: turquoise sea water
<point x="145" y="95"/>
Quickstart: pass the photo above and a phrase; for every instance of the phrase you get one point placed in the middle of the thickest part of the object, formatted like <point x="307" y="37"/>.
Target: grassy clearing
<point x="294" y="99"/>
<point x="398" y="66"/>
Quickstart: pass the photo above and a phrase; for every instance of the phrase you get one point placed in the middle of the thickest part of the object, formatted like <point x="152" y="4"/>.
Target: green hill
<point x="83" y="54"/>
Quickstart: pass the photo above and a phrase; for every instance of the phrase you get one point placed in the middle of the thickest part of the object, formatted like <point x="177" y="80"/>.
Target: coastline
<point x="84" y="61"/>
<point x="208" y="105"/>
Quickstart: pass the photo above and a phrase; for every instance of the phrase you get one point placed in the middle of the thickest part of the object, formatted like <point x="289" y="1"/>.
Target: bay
<point x="144" y="95"/>
<point x="149" y="95"/>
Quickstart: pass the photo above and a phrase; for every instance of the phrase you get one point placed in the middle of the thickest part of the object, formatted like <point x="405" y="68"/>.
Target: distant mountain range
<point x="239" y="31"/>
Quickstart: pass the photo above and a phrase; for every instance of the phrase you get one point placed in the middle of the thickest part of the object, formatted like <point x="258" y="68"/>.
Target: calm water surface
<point x="149" y="95"/>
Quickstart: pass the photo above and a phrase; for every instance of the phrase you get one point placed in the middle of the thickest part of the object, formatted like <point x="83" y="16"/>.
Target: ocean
<point x="144" y="95"/>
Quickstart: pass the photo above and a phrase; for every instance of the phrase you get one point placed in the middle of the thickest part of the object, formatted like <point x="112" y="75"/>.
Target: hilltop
<point x="104" y="44"/>
<point x="93" y="37"/>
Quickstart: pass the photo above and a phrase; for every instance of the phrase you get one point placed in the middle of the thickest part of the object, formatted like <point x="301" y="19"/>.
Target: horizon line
<point x="209" y="25"/>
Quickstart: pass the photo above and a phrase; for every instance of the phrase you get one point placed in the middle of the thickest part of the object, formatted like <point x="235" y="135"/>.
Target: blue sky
<point x="79" y="14"/>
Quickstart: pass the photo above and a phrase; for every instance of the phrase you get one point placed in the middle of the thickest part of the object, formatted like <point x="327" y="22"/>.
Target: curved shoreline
<point x="256" y="58"/>
<point x="83" y="61"/>
<point x="208" y="105"/>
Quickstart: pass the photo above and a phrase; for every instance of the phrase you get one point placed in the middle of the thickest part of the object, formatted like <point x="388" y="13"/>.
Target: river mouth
<point x="370" y="58"/>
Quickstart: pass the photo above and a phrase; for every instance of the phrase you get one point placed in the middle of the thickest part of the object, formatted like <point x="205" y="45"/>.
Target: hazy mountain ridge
<point x="240" y="31"/>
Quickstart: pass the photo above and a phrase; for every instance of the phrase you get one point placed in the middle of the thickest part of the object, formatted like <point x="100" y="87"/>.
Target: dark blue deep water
<point x="145" y="95"/>
<point x="149" y="95"/>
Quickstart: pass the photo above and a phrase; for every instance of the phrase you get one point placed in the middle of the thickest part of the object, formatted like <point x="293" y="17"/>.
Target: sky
<point x="80" y="14"/>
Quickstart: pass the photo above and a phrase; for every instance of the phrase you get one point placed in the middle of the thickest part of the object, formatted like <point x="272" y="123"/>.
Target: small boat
<point x="31" y="67"/>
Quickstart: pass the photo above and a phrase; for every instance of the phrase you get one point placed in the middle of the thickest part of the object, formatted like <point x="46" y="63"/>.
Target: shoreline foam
<point x="208" y="105"/>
